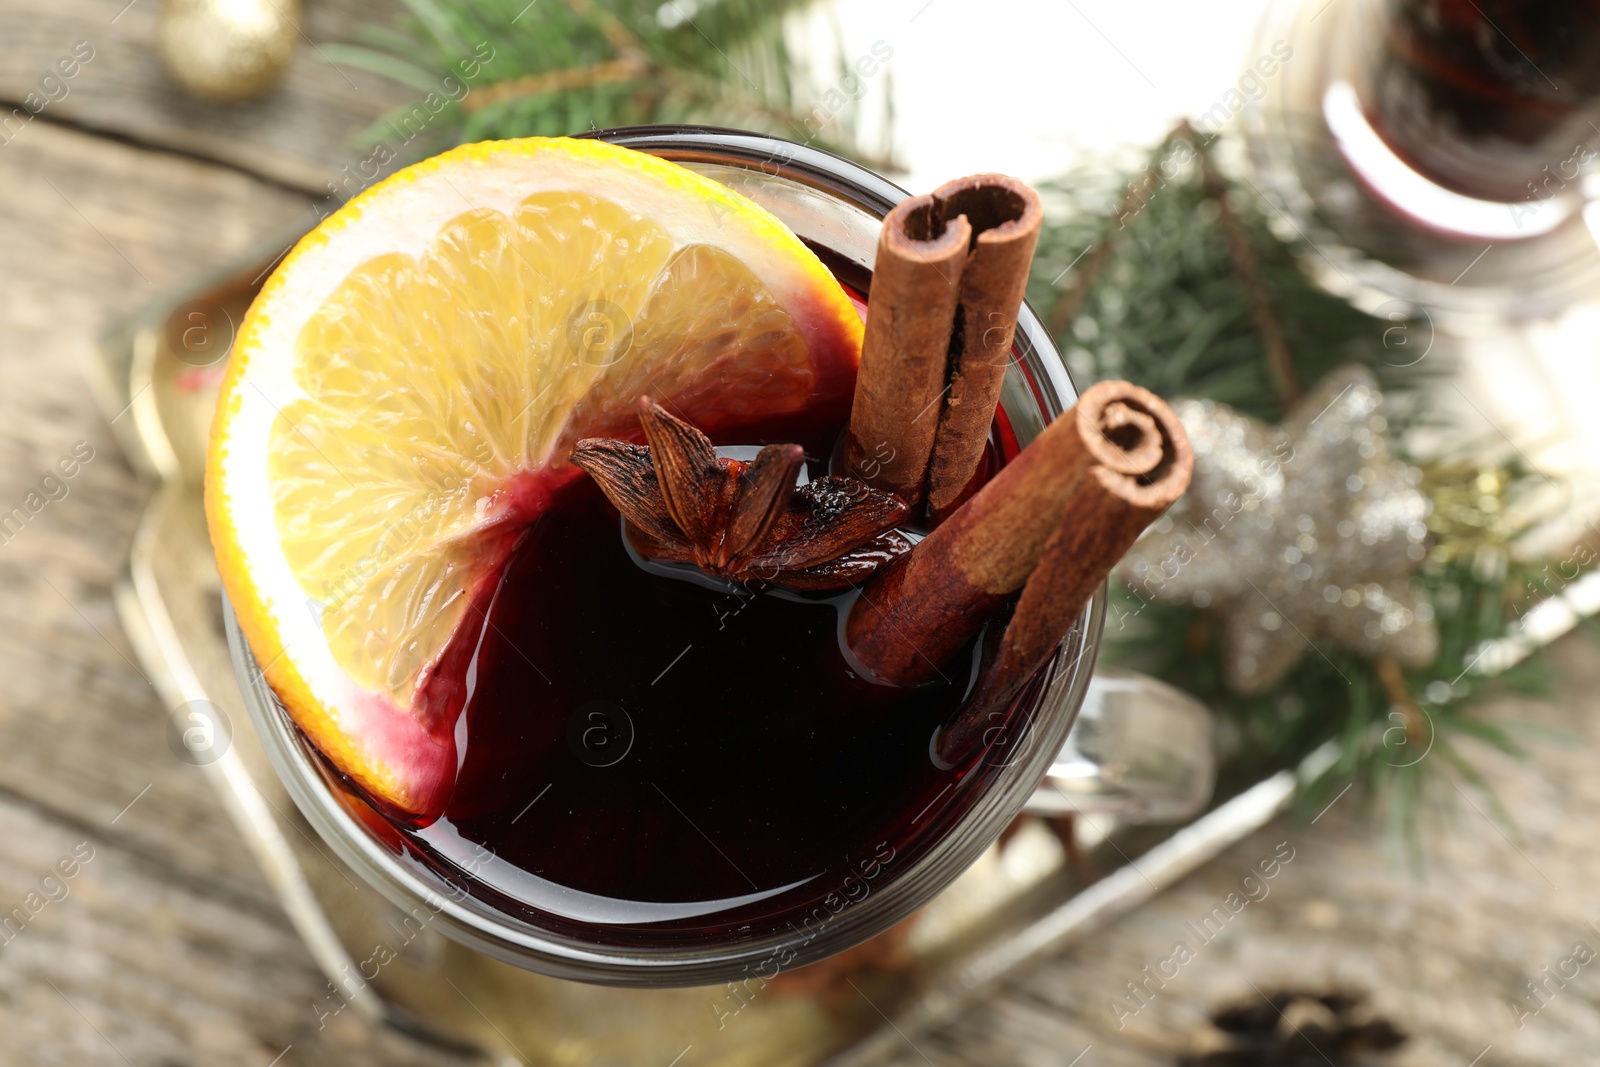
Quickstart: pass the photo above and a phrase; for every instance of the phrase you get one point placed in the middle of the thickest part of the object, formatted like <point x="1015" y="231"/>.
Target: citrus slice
<point x="405" y="391"/>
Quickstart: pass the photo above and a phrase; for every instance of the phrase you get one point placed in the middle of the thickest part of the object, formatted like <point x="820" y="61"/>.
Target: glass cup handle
<point x="1140" y="750"/>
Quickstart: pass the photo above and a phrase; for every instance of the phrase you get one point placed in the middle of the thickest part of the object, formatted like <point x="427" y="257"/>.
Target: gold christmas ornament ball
<point x="228" y="50"/>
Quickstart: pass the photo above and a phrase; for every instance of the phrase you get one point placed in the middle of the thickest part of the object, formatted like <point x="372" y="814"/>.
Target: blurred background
<point x="1244" y="200"/>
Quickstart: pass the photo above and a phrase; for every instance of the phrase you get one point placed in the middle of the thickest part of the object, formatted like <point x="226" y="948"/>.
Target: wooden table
<point x="165" y="946"/>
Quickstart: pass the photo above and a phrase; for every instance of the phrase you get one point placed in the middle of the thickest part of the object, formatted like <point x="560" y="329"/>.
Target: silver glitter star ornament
<point x="1302" y="537"/>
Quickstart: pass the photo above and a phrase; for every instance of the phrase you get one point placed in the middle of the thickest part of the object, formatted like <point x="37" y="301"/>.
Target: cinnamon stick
<point x="1056" y="520"/>
<point x="904" y="355"/>
<point x="1075" y="562"/>
<point x="946" y="289"/>
<point x="1005" y="216"/>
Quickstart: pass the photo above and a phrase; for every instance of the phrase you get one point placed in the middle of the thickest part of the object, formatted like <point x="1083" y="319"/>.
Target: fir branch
<point x="1248" y="268"/>
<point x="565" y="66"/>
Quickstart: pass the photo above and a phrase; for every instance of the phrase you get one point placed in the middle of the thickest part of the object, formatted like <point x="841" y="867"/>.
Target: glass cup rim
<point x="478" y="925"/>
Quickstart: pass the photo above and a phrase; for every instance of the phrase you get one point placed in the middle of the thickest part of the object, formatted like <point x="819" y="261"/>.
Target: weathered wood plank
<point x="299" y="134"/>
<point x="118" y="964"/>
<point x="94" y="229"/>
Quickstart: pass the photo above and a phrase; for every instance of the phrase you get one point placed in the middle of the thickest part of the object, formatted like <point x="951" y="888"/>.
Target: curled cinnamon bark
<point x="1056" y="520"/>
<point x="905" y="353"/>
<point x="1005" y="216"/>
<point x="946" y="289"/>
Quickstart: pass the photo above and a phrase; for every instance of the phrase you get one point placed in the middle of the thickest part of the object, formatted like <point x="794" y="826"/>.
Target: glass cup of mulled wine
<point x="1440" y="153"/>
<point x="717" y="792"/>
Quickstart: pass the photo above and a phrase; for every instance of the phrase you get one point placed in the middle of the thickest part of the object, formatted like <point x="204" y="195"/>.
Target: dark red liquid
<point x="663" y="755"/>
<point x="748" y="756"/>
<point x="1483" y="95"/>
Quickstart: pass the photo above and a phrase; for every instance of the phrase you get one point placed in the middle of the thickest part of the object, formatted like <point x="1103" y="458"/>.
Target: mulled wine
<point x="1488" y="98"/>
<point x="551" y="544"/>
<point x="650" y="749"/>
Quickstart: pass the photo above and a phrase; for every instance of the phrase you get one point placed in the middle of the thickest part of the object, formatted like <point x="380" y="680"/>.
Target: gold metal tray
<point x="157" y="379"/>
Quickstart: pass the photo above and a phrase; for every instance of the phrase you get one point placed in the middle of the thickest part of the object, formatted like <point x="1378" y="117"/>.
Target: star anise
<point x="742" y="520"/>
